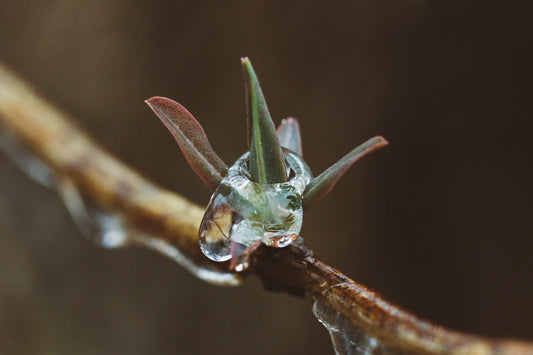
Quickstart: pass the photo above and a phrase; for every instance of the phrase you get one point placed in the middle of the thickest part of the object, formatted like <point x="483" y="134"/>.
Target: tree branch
<point x="172" y="222"/>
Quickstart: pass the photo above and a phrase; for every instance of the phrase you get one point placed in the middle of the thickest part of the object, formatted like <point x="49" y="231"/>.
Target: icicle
<point x="347" y="339"/>
<point x="27" y="162"/>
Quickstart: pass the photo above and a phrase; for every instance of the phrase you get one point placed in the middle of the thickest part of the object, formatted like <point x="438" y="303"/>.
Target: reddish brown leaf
<point x="191" y="139"/>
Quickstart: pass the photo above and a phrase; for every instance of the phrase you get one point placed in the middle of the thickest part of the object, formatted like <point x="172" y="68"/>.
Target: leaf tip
<point x="248" y="69"/>
<point x="246" y="62"/>
<point x="324" y="183"/>
<point x="160" y="104"/>
<point x="380" y="141"/>
<point x="289" y="135"/>
<point x="154" y="100"/>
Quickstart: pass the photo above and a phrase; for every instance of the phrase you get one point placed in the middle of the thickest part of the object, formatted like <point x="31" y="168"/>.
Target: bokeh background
<point x="439" y="221"/>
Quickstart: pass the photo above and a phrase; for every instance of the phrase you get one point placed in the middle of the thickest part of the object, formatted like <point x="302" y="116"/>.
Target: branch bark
<point x="170" y="218"/>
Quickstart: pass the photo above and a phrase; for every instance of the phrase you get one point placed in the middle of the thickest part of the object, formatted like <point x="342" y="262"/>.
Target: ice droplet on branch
<point x="242" y="213"/>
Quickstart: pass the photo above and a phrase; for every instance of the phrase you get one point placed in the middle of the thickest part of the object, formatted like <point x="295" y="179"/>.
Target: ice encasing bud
<point x="242" y="212"/>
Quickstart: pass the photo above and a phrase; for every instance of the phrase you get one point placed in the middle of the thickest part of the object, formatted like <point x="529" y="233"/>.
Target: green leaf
<point x="289" y="135"/>
<point x="191" y="139"/>
<point x="324" y="183"/>
<point x="266" y="162"/>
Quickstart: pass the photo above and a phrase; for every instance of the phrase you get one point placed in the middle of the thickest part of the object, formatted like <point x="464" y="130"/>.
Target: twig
<point x="172" y="220"/>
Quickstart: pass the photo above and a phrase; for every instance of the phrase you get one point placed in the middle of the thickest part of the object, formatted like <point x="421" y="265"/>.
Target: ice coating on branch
<point x="27" y="162"/>
<point x="111" y="230"/>
<point x="106" y="229"/>
<point x="346" y="338"/>
<point x="243" y="213"/>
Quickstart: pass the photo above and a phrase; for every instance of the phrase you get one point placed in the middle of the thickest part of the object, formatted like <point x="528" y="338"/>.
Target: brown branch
<point x="107" y="182"/>
<point x="172" y="220"/>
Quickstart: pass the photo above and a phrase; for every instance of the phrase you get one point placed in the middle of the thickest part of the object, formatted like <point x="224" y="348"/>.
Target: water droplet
<point x="215" y="229"/>
<point x="243" y="212"/>
<point x="241" y="267"/>
<point x="113" y="232"/>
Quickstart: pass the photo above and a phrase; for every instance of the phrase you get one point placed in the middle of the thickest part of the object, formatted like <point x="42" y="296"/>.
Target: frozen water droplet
<point x="113" y="233"/>
<point x="215" y="229"/>
<point x="244" y="212"/>
<point x="241" y="267"/>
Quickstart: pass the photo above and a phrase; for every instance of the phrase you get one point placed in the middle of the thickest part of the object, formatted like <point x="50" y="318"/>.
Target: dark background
<point x="439" y="222"/>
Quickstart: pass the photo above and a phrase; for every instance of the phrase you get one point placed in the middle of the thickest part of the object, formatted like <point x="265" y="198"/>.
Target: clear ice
<point x="106" y="229"/>
<point x="346" y="338"/>
<point x="243" y="213"/>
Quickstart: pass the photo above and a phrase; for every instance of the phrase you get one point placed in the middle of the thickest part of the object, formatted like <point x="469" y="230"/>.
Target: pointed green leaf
<point x="248" y="101"/>
<point x="324" y="183"/>
<point x="289" y="135"/>
<point x="191" y="139"/>
<point x="266" y="162"/>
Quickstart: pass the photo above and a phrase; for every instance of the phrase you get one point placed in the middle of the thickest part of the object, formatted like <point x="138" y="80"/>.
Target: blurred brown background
<point x="439" y="222"/>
